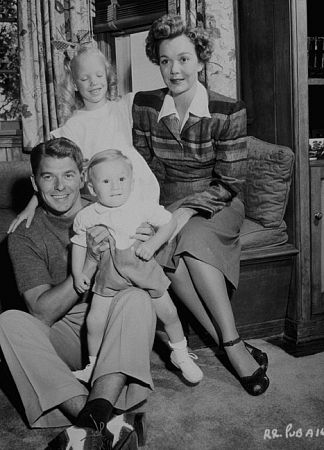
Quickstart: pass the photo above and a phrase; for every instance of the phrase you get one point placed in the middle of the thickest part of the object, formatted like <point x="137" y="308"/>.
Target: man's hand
<point x="97" y="241"/>
<point x="144" y="232"/>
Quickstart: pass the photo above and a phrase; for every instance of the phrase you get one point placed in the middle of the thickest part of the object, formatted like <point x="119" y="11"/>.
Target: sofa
<point x="267" y="257"/>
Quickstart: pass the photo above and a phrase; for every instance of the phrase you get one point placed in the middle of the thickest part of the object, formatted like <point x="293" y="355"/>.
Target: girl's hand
<point x="145" y="251"/>
<point x="26" y="214"/>
<point x="182" y="215"/>
<point x="144" y="232"/>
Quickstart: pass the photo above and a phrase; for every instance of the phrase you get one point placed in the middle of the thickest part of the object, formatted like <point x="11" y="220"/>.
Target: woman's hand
<point x="143" y="232"/>
<point x="27" y="214"/>
<point x="97" y="241"/>
<point x="182" y="215"/>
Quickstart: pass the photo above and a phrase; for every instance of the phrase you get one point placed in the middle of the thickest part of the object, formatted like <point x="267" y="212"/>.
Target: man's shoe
<point x="139" y="423"/>
<point x="76" y="438"/>
<point x="124" y="435"/>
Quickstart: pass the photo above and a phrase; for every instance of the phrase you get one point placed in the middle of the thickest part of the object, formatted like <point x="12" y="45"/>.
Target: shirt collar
<point x="198" y="106"/>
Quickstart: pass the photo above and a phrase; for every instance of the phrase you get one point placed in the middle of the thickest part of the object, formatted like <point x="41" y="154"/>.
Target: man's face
<point x="58" y="182"/>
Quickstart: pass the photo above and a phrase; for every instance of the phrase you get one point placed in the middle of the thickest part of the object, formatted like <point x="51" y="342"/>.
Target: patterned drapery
<point x="220" y="73"/>
<point x="41" y="65"/>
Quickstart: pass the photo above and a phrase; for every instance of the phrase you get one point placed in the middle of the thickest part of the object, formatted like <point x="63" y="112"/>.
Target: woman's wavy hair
<point x="69" y="99"/>
<point x="170" y="26"/>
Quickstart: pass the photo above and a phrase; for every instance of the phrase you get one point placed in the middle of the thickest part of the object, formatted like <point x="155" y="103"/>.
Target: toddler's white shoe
<point x="183" y="360"/>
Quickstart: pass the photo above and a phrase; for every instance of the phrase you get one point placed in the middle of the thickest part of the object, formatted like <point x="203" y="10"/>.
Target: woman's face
<point x="179" y="64"/>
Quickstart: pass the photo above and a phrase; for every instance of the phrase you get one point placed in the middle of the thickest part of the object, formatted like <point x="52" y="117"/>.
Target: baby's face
<point x="112" y="182"/>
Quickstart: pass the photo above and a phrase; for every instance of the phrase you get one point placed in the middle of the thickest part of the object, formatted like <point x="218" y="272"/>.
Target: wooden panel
<point x="262" y="294"/>
<point x="317" y="238"/>
<point x="10" y="148"/>
<point x="265" y="68"/>
<point x="300" y="305"/>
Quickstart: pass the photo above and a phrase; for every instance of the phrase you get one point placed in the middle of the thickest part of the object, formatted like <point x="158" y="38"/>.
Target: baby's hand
<point x="81" y="283"/>
<point x="145" y="251"/>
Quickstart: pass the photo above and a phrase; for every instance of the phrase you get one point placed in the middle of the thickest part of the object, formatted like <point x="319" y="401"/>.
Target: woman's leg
<point x="184" y="289"/>
<point x="210" y="285"/>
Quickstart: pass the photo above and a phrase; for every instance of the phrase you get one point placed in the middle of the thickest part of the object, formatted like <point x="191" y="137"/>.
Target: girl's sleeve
<point x="157" y="215"/>
<point x="145" y="179"/>
<point x="69" y="130"/>
<point x="142" y="141"/>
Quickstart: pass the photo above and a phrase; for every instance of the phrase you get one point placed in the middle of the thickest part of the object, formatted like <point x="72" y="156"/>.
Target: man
<point x="43" y="347"/>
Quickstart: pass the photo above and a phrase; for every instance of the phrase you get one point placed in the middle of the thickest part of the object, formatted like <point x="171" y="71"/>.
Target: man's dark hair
<point x="56" y="148"/>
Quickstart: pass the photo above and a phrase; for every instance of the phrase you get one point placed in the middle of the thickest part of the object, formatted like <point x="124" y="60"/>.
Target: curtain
<point x="41" y="65"/>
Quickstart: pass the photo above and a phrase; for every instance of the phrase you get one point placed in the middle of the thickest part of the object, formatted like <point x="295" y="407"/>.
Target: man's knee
<point x="11" y="319"/>
<point x="138" y="303"/>
<point x="15" y="321"/>
<point x="139" y="300"/>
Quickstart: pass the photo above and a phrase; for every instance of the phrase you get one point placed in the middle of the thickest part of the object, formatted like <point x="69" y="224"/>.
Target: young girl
<point x="95" y="119"/>
<point x="128" y="262"/>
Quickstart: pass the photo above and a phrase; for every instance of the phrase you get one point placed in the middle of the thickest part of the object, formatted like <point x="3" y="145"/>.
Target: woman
<point x="178" y="130"/>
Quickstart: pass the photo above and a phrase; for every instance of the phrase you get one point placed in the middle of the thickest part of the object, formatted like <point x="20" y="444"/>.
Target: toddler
<point x="111" y="179"/>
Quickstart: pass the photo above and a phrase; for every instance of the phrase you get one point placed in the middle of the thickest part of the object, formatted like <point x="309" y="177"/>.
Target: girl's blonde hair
<point x="69" y="99"/>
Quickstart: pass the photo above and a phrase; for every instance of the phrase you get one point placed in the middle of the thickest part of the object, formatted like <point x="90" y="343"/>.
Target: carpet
<point x="217" y="413"/>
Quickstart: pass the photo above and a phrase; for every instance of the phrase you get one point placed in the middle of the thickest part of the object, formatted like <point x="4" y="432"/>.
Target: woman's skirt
<point x="215" y="241"/>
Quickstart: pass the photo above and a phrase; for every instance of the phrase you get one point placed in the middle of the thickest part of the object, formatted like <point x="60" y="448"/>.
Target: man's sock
<point x="95" y="413"/>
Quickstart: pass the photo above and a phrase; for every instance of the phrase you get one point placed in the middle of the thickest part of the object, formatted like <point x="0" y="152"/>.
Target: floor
<point x="217" y="413"/>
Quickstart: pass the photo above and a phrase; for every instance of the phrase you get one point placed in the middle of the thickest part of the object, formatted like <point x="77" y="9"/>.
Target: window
<point x="9" y="62"/>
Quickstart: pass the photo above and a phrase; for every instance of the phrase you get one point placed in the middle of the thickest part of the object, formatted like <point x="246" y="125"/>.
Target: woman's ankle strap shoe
<point x="260" y="357"/>
<point x="258" y="382"/>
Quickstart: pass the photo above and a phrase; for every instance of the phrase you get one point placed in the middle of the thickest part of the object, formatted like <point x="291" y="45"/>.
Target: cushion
<point x="15" y="187"/>
<point x="265" y="171"/>
<point x="268" y="179"/>
<point x="254" y="235"/>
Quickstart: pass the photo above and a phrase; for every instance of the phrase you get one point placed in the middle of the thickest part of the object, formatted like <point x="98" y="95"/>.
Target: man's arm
<point x="49" y="303"/>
